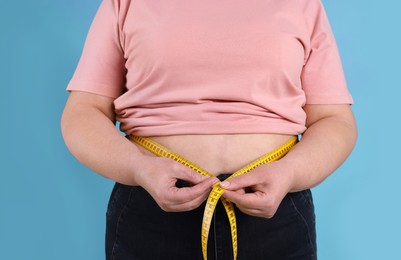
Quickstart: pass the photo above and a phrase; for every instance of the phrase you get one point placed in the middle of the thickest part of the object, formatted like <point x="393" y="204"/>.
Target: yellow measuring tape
<point x="217" y="191"/>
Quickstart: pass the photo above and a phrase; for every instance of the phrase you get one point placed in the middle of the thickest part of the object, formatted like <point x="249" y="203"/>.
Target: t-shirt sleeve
<point x="101" y="68"/>
<point x="323" y="79"/>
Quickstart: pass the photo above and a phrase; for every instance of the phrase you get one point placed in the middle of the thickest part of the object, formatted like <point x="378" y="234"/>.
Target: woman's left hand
<point x="328" y="140"/>
<point x="265" y="187"/>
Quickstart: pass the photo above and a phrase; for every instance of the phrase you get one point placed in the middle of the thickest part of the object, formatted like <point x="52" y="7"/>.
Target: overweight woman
<point x="203" y="89"/>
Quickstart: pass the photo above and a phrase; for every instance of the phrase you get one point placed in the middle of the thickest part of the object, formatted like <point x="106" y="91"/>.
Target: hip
<point x="135" y="223"/>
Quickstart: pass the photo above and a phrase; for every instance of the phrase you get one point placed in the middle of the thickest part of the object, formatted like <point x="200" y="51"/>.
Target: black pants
<point x="138" y="229"/>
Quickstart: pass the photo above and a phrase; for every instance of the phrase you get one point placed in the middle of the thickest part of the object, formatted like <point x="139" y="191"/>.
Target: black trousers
<point x="138" y="229"/>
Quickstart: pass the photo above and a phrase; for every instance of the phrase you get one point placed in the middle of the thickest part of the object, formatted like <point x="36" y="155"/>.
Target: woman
<point x="220" y="83"/>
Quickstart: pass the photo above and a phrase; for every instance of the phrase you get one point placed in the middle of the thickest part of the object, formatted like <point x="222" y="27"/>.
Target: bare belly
<point x="221" y="153"/>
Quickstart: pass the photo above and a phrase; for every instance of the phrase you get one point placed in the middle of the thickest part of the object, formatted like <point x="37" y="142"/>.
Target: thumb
<point x="240" y="182"/>
<point x="189" y="175"/>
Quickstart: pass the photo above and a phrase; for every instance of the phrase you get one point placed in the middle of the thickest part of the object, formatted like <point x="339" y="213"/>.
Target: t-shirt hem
<point x="94" y="88"/>
<point x="214" y="129"/>
<point x="329" y="100"/>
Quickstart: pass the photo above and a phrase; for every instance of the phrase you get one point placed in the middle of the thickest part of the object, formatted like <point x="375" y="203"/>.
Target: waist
<point x="221" y="153"/>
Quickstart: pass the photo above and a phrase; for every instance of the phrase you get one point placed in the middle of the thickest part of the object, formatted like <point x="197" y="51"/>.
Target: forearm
<point x="94" y="140"/>
<point x="322" y="149"/>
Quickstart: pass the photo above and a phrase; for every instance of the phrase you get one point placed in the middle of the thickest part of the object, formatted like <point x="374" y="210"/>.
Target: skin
<point x="88" y="128"/>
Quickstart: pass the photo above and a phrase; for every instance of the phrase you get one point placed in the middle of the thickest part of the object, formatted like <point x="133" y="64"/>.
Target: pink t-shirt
<point x="212" y="67"/>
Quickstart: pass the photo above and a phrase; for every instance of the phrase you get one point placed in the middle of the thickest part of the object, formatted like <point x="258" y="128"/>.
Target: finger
<point x="187" y="194"/>
<point x="265" y="212"/>
<point x="242" y="203"/>
<point x="241" y="191"/>
<point x="241" y="181"/>
<point x="255" y="212"/>
<point x="246" y="200"/>
<point x="256" y="204"/>
<point x="190" y="205"/>
<point x="184" y="173"/>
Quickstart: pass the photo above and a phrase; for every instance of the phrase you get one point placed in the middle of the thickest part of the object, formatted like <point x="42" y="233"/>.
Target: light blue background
<point x="52" y="207"/>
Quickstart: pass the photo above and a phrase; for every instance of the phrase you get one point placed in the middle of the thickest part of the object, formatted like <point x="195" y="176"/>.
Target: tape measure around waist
<point x="217" y="191"/>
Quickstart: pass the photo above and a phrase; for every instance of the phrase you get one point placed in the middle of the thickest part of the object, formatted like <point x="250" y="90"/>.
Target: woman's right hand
<point x="159" y="176"/>
<point x="90" y="134"/>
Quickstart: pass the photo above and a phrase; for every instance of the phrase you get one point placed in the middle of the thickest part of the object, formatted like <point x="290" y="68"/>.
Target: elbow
<point x="354" y="133"/>
<point x="346" y="126"/>
<point x="352" y="129"/>
<point x="70" y="124"/>
<point x="65" y="127"/>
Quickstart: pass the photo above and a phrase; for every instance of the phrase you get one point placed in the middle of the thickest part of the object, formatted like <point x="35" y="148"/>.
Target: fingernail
<point x="225" y="184"/>
<point x="214" y="180"/>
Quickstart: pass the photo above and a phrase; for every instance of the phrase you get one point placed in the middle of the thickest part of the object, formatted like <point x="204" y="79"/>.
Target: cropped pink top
<point x="211" y="67"/>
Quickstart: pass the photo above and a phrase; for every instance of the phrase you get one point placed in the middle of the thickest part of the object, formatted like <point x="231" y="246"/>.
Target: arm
<point x="329" y="139"/>
<point x="88" y="128"/>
